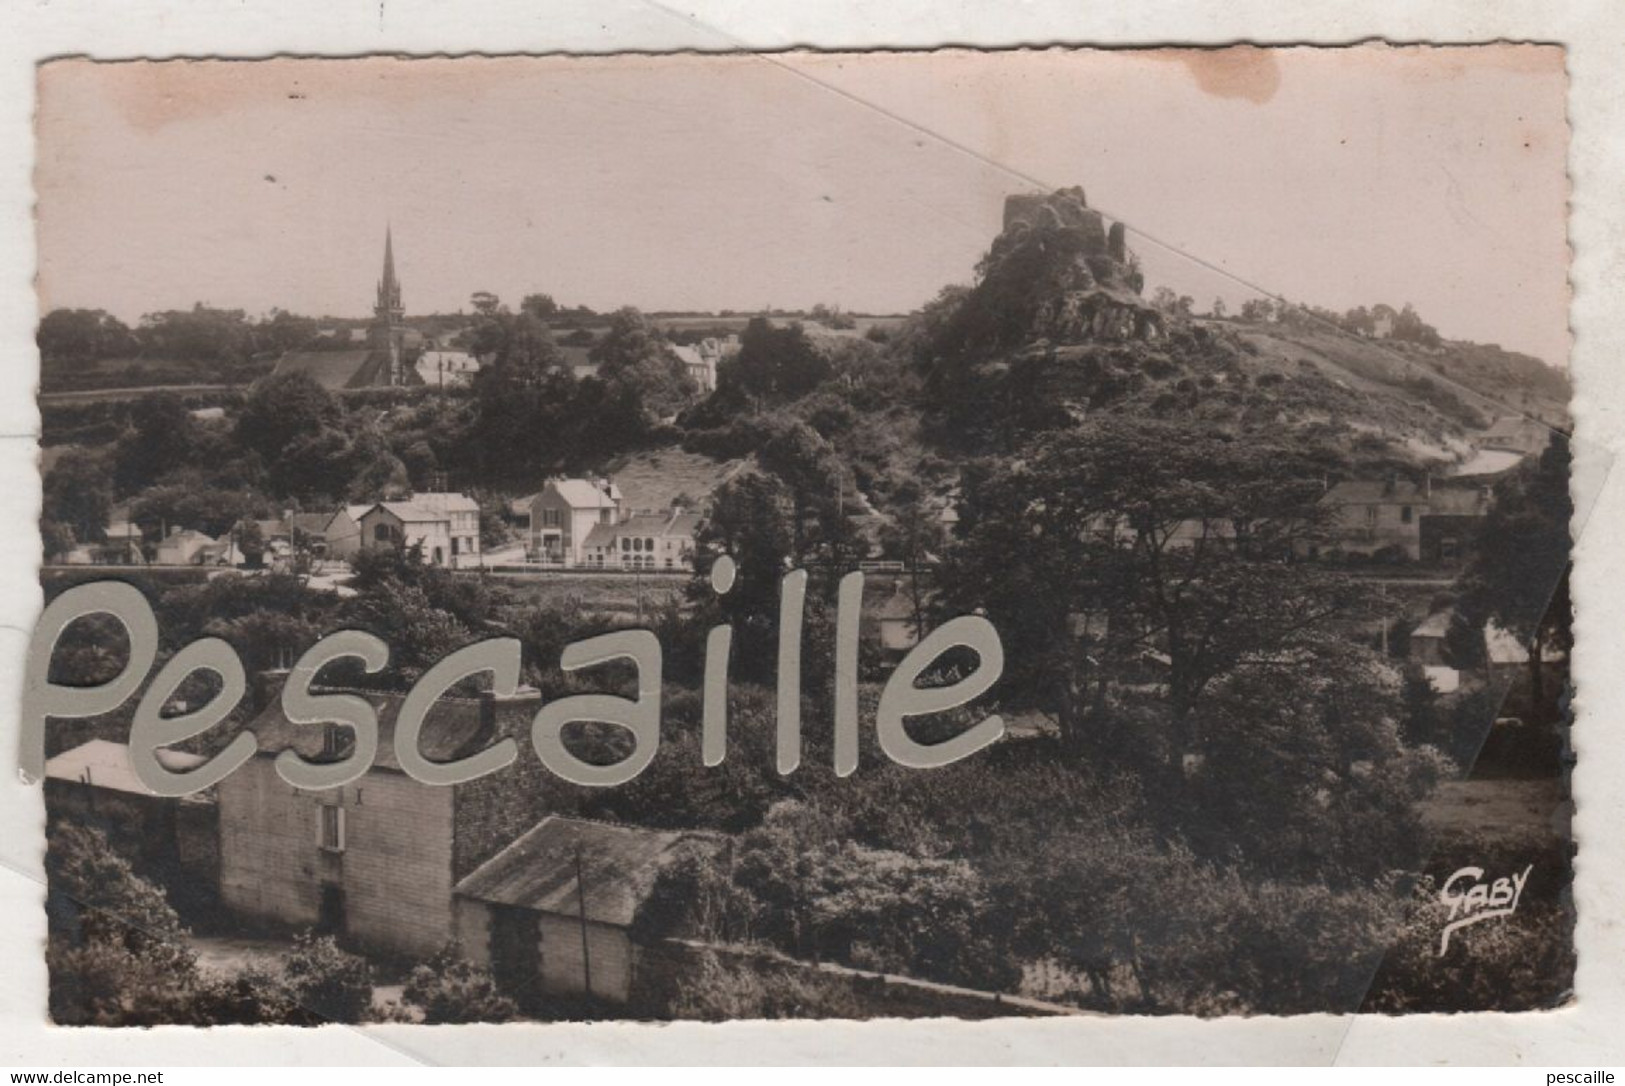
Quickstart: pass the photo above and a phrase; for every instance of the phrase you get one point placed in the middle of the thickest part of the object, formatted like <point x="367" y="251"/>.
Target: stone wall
<point x="661" y="967"/>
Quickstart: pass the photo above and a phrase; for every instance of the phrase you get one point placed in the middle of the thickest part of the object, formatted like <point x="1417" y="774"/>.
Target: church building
<point x="390" y="356"/>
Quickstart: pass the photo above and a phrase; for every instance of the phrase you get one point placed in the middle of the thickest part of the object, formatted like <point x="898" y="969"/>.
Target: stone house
<point x="565" y="512"/>
<point x="174" y="839"/>
<point x="701" y="370"/>
<point x="374" y="861"/>
<point x="555" y="908"/>
<point x="1421" y="522"/>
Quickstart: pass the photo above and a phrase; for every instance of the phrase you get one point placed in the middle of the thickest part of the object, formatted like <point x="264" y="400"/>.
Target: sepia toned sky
<point x="1338" y="177"/>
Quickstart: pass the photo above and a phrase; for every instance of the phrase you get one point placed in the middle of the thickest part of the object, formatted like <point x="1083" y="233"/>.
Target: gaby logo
<point x="1471" y="898"/>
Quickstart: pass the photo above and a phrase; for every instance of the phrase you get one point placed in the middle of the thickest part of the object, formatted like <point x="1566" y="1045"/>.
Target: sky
<point x="1337" y="177"/>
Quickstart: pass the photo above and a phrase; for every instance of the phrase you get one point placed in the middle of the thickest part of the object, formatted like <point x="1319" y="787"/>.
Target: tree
<point x="78" y="493"/>
<point x="749" y="521"/>
<point x="116" y="951"/>
<point x="523" y="397"/>
<point x="776" y="363"/>
<point x="540" y="306"/>
<point x="81" y="336"/>
<point x="485" y="303"/>
<point x="162" y="437"/>
<point x="199" y="334"/>
<point x="1518" y="573"/>
<point x="281" y="409"/>
<point x="637" y="364"/>
<point x="284" y="331"/>
<point x="1097" y="546"/>
<point x="250" y="543"/>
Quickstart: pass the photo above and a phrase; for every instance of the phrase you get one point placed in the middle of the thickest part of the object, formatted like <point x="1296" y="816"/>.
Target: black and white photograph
<point x="701" y="537"/>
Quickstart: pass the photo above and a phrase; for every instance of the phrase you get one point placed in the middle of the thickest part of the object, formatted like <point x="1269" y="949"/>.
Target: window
<point x="330" y="827"/>
<point x="550" y="518"/>
<point x="330" y="742"/>
<point x="1405" y="514"/>
<point x="456" y="546"/>
<point x="380" y="533"/>
<point x="626" y="544"/>
<point x="606" y="516"/>
<point x="649" y="545"/>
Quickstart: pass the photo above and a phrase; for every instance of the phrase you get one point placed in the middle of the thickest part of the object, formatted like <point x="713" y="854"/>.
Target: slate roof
<point x="106" y="764"/>
<point x="311" y="523"/>
<point x="330" y="369"/>
<point x="660" y="524"/>
<point x="451" y="731"/>
<point x="581" y="494"/>
<point x="602" y="535"/>
<point x="410" y="512"/>
<point x="1375" y="491"/>
<point x="619" y="865"/>
<point x="446" y="502"/>
<point x="1443" y="499"/>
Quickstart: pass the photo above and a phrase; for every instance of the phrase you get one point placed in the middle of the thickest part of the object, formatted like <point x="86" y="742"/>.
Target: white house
<point x="565" y="512"/>
<point x="445" y="526"/>
<point x="184" y="547"/>
<point x="651" y="541"/>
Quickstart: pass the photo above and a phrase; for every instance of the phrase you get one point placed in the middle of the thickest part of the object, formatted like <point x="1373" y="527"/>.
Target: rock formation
<point x="1072" y="267"/>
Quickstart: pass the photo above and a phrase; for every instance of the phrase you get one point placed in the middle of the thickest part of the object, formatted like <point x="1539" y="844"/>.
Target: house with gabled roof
<point x="1427" y="521"/>
<point x="565" y="512"/>
<point x="446" y="528"/>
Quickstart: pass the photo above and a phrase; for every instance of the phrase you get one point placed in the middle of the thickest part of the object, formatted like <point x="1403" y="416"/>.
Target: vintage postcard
<point x="698" y="537"/>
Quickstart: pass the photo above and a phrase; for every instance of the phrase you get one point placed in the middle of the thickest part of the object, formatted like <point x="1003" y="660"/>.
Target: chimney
<point x="1427" y="484"/>
<point x="266" y="687"/>
<point x="500" y="716"/>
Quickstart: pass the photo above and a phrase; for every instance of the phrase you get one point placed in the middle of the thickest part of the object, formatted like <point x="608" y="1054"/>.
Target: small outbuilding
<point x="554" y="909"/>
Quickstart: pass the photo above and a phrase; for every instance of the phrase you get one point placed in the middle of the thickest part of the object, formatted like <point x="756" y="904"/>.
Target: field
<point x="656" y="478"/>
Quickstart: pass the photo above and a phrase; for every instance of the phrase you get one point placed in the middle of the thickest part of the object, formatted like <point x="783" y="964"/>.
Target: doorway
<point x="330" y="914"/>
<point x="516" y="948"/>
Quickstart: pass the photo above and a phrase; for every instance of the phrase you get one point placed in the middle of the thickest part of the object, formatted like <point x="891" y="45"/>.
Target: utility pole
<point x="581" y="907"/>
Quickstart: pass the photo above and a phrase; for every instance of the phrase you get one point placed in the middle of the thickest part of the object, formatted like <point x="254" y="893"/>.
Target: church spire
<point x="388" y="306"/>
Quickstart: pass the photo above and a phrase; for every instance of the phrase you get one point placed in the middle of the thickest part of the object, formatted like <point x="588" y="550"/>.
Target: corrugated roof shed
<point x="619" y="865"/>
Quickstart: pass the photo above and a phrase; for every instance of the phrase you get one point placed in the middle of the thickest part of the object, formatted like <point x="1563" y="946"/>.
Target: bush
<point x="1522" y="962"/>
<point x="323" y="979"/>
<point x="449" y="989"/>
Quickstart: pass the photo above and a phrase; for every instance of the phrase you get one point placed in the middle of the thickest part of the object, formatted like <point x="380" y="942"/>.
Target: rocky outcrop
<point x="1073" y="269"/>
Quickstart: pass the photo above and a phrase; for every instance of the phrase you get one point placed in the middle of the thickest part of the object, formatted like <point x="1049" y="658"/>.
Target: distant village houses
<point x="585" y="524"/>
